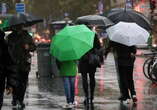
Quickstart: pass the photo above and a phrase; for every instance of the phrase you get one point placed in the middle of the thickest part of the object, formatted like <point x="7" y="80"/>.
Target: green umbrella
<point x="72" y="42"/>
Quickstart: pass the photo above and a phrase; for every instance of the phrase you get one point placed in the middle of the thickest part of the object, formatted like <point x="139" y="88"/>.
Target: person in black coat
<point x="87" y="69"/>
<point x="124" y="61"/>
<point x="8" y="78"/>
<point x="20" y="45"/>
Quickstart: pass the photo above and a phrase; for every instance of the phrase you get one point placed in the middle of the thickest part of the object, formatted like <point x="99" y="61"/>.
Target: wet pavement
<point x="48" y="93"/>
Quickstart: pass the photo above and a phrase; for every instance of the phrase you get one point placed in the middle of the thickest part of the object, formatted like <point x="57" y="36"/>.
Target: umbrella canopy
<point x="4" y="24"/>
<point x="128" y="15"/>
<point x="22" y="19"/>
<point x="128" y="34"/>
<point x="30" y="19"/>
<point x="14" y="21"/>
<point x="72" y="42"/>
<point x="94" y="20"/>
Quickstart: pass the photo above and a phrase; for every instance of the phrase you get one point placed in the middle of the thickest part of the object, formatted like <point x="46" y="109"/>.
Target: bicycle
<point x="150" y="66"/>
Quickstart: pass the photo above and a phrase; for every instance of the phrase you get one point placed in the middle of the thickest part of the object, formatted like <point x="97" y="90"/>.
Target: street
<point x="48" y="93"/>
<point x="68" y="30"/>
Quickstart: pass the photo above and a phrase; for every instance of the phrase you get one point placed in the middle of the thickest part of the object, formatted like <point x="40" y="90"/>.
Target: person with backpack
<point x="87" y="67"/>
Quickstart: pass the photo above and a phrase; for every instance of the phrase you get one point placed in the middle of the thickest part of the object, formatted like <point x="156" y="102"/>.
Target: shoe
<point x="75" y="103"/>
<point x="121" y="98"/>
<point x="91" y="101"/>
<point x="72" y="105"/>
<point x="126" y="101"/>
<point x="134" y="98"/>
<point x="14" y="103"/>
<point x="21" y="105"/>
<point x="86" y="101"/>
<point x="68" y="106"/>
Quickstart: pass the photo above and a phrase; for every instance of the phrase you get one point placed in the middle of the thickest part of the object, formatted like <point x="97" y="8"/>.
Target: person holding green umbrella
<point x="69" y="45"/>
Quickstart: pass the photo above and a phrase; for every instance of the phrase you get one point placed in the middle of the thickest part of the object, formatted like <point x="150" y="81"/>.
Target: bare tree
<point x="57" y="8"/>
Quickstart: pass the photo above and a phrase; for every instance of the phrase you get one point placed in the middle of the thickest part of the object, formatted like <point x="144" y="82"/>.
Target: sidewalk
<point x="48" y="93"/>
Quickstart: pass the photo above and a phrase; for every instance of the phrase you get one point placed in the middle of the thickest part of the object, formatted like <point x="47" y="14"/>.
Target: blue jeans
<point x="69" y="87"/>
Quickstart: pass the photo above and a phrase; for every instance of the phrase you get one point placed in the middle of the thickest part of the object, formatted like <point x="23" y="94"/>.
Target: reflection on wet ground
<point x="48" y="93"/>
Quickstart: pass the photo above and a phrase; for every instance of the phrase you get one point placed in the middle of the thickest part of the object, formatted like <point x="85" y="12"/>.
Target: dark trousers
<point x="126" y="82"/>
<point x="2" y="88"/>
<point x="86" y="85"/>
<point x="19" y="92"/>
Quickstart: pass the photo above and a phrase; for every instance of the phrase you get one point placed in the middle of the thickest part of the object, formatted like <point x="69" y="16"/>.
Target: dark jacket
<point x="21" y="55"/>
<point x="84" y="66"/>
<point x="124" y="55"/>
<point x="6" y="63"/>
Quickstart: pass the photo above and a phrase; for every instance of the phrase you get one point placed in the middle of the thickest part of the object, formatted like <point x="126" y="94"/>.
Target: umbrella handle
<point x="125" y="6"/>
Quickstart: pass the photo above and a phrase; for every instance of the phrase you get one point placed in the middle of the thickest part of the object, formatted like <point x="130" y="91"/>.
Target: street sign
<point x="20" y="7"/>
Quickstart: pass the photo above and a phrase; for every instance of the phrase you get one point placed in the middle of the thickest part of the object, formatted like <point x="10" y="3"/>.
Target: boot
<point x="14" y="103"/>
<point x="86" y="101"/>
<point x="21" y="104"/>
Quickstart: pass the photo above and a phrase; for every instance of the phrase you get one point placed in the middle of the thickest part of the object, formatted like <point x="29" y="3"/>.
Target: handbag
<point x="94" y="60"/>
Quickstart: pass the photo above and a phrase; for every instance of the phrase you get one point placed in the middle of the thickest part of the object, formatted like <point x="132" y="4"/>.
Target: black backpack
<point x="94" y="58"/>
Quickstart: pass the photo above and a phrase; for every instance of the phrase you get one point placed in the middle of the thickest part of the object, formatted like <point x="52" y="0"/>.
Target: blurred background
<point x="68" y="10"/>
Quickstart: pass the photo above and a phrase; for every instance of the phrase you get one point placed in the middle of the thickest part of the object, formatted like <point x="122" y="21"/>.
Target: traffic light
<point x="152" y="4"/>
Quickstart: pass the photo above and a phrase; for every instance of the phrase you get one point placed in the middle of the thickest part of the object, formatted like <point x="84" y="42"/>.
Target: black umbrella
<point x="94" y="20"/>
<point x="14" y="21"/>
<point x="22" y="19"/>
<point x="129" y="15"/>
<point x="30" y="19"/>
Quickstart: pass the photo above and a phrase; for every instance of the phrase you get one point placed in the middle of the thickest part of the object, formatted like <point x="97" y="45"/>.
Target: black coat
<point x="21" y="56"/>
<point x="84" y="66"/>
<point x="123" y="54"/>
<point x="6" y="64"/>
